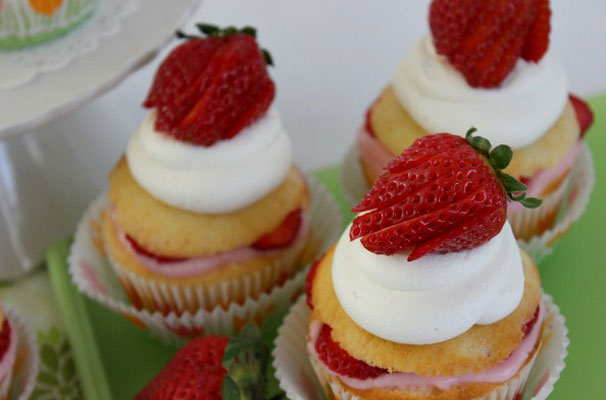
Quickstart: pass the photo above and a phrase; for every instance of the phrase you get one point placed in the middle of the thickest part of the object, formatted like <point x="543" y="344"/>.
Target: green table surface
<point x="113" y="356"/>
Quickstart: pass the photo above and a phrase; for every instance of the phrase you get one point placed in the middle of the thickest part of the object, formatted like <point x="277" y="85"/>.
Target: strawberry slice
<point x="583" y="112"/>
<point x="537" y="41"/>
<point x="209" y="89"/>
<point x="309" y="280"/>
<point x="283" y="235"/>
<point x="443" y="194"/>
<point x="339" y="361"/>
<point x="145" y="252"/>
<point x="485" y="39"/>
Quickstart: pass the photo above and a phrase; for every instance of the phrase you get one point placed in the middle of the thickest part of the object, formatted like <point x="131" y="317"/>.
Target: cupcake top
<point x="431" y="254"/>
<point x="212" y="143"/>
<point x="513" y="89"/>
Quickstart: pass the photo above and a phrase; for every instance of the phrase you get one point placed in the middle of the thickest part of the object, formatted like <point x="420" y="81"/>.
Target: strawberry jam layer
<point x="187" y="267"/>
<point x="500" y="373"/>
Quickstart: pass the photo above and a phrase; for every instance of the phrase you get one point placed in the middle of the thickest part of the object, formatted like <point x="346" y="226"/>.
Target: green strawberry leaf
<point x="531" y="202"/>
<point x="269" y="328"/>
<point x="511" y="184"/>
<point x="49" y="358"/>
<point x="249" y="30"/>
<point x="238" y="346"/>
<point x="268" y="58"/>
<point x="273" y="388"/>
<point x="500" y="156"/>
<point x="229" y="389"/>
<point x="208" y="29"/>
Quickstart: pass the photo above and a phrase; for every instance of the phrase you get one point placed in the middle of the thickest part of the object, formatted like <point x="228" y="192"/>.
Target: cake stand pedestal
<point x="40" y="193"/>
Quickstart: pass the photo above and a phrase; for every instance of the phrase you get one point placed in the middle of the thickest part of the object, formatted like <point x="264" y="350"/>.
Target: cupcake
<point x="487" y="66"/>
<point x="206" y="207"/>
<point x="8" y="353"/>
<point x="427" y="294"/>
<point x="29" y="22"/>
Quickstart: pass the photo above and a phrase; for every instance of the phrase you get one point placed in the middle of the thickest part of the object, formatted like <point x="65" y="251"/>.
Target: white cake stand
<point x="31" y="212"/>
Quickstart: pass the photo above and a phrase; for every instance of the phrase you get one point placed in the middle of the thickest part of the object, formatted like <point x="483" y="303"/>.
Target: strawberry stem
<point x="210" y="30"/>
<point x="499" y="158"/>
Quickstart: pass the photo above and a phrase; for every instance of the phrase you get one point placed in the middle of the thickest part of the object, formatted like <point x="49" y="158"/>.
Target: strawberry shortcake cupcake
<point x="485" y="64"/>
<point x="207" y="207"/>
<point x="8" y="353"/>
<point x="427" y="294"/>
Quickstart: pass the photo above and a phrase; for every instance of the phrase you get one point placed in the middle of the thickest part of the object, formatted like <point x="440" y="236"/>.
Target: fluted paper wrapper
<point x="564" y="206"/>
<point x="25" y="369"/>
<point x="93" y="275"/>
<point x="295" y="370"/>
<point x="568" y="204"/>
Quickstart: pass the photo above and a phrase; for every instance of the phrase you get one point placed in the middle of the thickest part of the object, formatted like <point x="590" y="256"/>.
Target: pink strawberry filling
<point x="9" y="336"/>
<point x="500" y="373"/>
<point x="187" y="267"/>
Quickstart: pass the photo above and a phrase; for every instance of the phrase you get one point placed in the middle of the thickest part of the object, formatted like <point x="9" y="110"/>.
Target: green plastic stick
<point x="77" y="324"/>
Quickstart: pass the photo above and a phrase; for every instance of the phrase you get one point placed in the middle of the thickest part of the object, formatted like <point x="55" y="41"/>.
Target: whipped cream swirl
<point x="432" y="299"/>
<point x="222" y="178"/>
<point x="439" y="99"/>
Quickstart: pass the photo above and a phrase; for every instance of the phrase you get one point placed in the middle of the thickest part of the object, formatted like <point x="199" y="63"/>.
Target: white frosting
<point x="432" y="299"/>
<point x="227" y="176"/>
<point x="517" y="113"/>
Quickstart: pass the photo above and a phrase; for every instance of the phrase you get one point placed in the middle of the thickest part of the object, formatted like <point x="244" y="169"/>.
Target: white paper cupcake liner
<point x="572" y="204"/>
<point x="94" y="276"/>
<point x="569" y="201"/>
<point x="296" y="375"/>
<point x="25" y="371"/>
<point x="156" y="295"/>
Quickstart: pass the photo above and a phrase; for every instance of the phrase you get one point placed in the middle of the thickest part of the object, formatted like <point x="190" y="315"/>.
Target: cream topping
<point x="517" y="113"/>
<point x="222" y="178"/>
<point x="432" y="299"/>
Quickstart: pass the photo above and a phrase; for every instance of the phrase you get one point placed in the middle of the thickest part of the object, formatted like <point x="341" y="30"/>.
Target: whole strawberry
<point x="210" y="88"/>
<point x="485" y="39"/>
<point x="222" y="368"/>
<point x="443" y="194"/>
<point x="195" y="372"/>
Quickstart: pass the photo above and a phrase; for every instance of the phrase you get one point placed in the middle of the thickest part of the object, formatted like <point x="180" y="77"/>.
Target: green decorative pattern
<point x="57" y="377"/>
<point x="22" y="26"/>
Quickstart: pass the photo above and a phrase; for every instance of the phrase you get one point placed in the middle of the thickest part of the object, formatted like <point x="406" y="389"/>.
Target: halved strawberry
<point x="209" y="89"/>
<point x="443" y="194"/>
<point x="537" y="41"/>
<point x="485" y="39"/>
<point x="583" y="112"/>
<point x="195" y="372"/>
<point x="283" y="235"/>
<point x="339" y="361"/>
